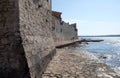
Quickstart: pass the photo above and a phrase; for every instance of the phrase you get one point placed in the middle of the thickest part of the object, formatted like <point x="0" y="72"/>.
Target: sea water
<point x="109" y="48"/>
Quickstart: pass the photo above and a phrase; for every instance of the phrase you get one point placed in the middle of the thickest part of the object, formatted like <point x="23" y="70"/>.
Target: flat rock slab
<point x="66" y="43"/>
<point x="77" y="64"/>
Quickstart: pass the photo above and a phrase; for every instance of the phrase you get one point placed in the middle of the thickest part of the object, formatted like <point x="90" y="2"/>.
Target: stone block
<point x="2" y="46"/>
<point x="4" y="41"/>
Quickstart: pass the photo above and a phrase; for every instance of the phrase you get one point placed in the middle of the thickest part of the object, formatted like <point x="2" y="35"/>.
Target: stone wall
<point x="69" y="31"/>
<point x="13" y="63"/>
<point x="57" y="26"/>
<point x="26" y="43"/>
<point x="35" y="28"/>
<point x="26" y="37"/>
<point x="62" y="31"/>
<point x="74" y="31"/>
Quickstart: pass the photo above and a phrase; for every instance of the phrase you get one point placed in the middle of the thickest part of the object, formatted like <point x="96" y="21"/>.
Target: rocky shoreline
<point x="69" y="63"/>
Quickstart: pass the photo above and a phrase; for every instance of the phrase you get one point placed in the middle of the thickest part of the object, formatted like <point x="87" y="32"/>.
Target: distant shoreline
<point x="101" y="36"/>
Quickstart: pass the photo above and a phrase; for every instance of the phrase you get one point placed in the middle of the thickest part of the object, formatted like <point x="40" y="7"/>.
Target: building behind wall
<point x="62" y="31"/>
<point x="69" y="31"/>
<point x="74" y="31"/>
<point x="66" y="31"/>
<point x="57" y="26"/>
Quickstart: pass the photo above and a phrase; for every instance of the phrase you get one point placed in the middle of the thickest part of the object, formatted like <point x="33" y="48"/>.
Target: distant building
<point x="62" y="31"/>
<point x="56" y="20"/>
<point x="74" y="31"/>
<point x="69" y="31"/>
<point x="57" y="26"/>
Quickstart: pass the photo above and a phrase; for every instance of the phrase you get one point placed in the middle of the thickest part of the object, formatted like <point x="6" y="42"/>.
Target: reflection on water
<point x="109" y="48"/>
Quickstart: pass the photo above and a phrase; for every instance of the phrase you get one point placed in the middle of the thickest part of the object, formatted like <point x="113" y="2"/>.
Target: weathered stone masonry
<point x="26" y="43"/>
<point x="62" y="31"/>
<point x="57" y="26"/>
<point x="12" y="57"/>
<point x="35" y="22"/>
<point x="26" y="37"/>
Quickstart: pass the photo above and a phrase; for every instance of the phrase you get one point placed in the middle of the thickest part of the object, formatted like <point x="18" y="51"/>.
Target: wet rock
<point x="103" y="57"/>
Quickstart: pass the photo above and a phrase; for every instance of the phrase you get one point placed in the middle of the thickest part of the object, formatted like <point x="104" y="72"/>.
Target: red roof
<point x="56" y="14"/>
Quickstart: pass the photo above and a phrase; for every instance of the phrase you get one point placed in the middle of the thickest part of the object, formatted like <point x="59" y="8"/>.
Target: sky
<point x="93" y="17"/>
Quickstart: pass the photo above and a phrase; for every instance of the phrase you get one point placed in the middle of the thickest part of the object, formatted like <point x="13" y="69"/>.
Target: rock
<point x="4" y="41"/>
<point x="103" y="57"/>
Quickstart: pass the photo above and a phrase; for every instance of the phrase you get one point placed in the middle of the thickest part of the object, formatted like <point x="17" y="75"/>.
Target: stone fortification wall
<point x="74" y="31"/>
<point x="35" y="28"/>
<point x="26" y="43"/>
<point x="69" y="31"/>
<point x="66" y="31"/>
<point x="26" y="39"/>
<point x="58" y="37"/>
<point x="62" y="31"/>
<point x="13" y="63"/>
<point x="57" y="26"/>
